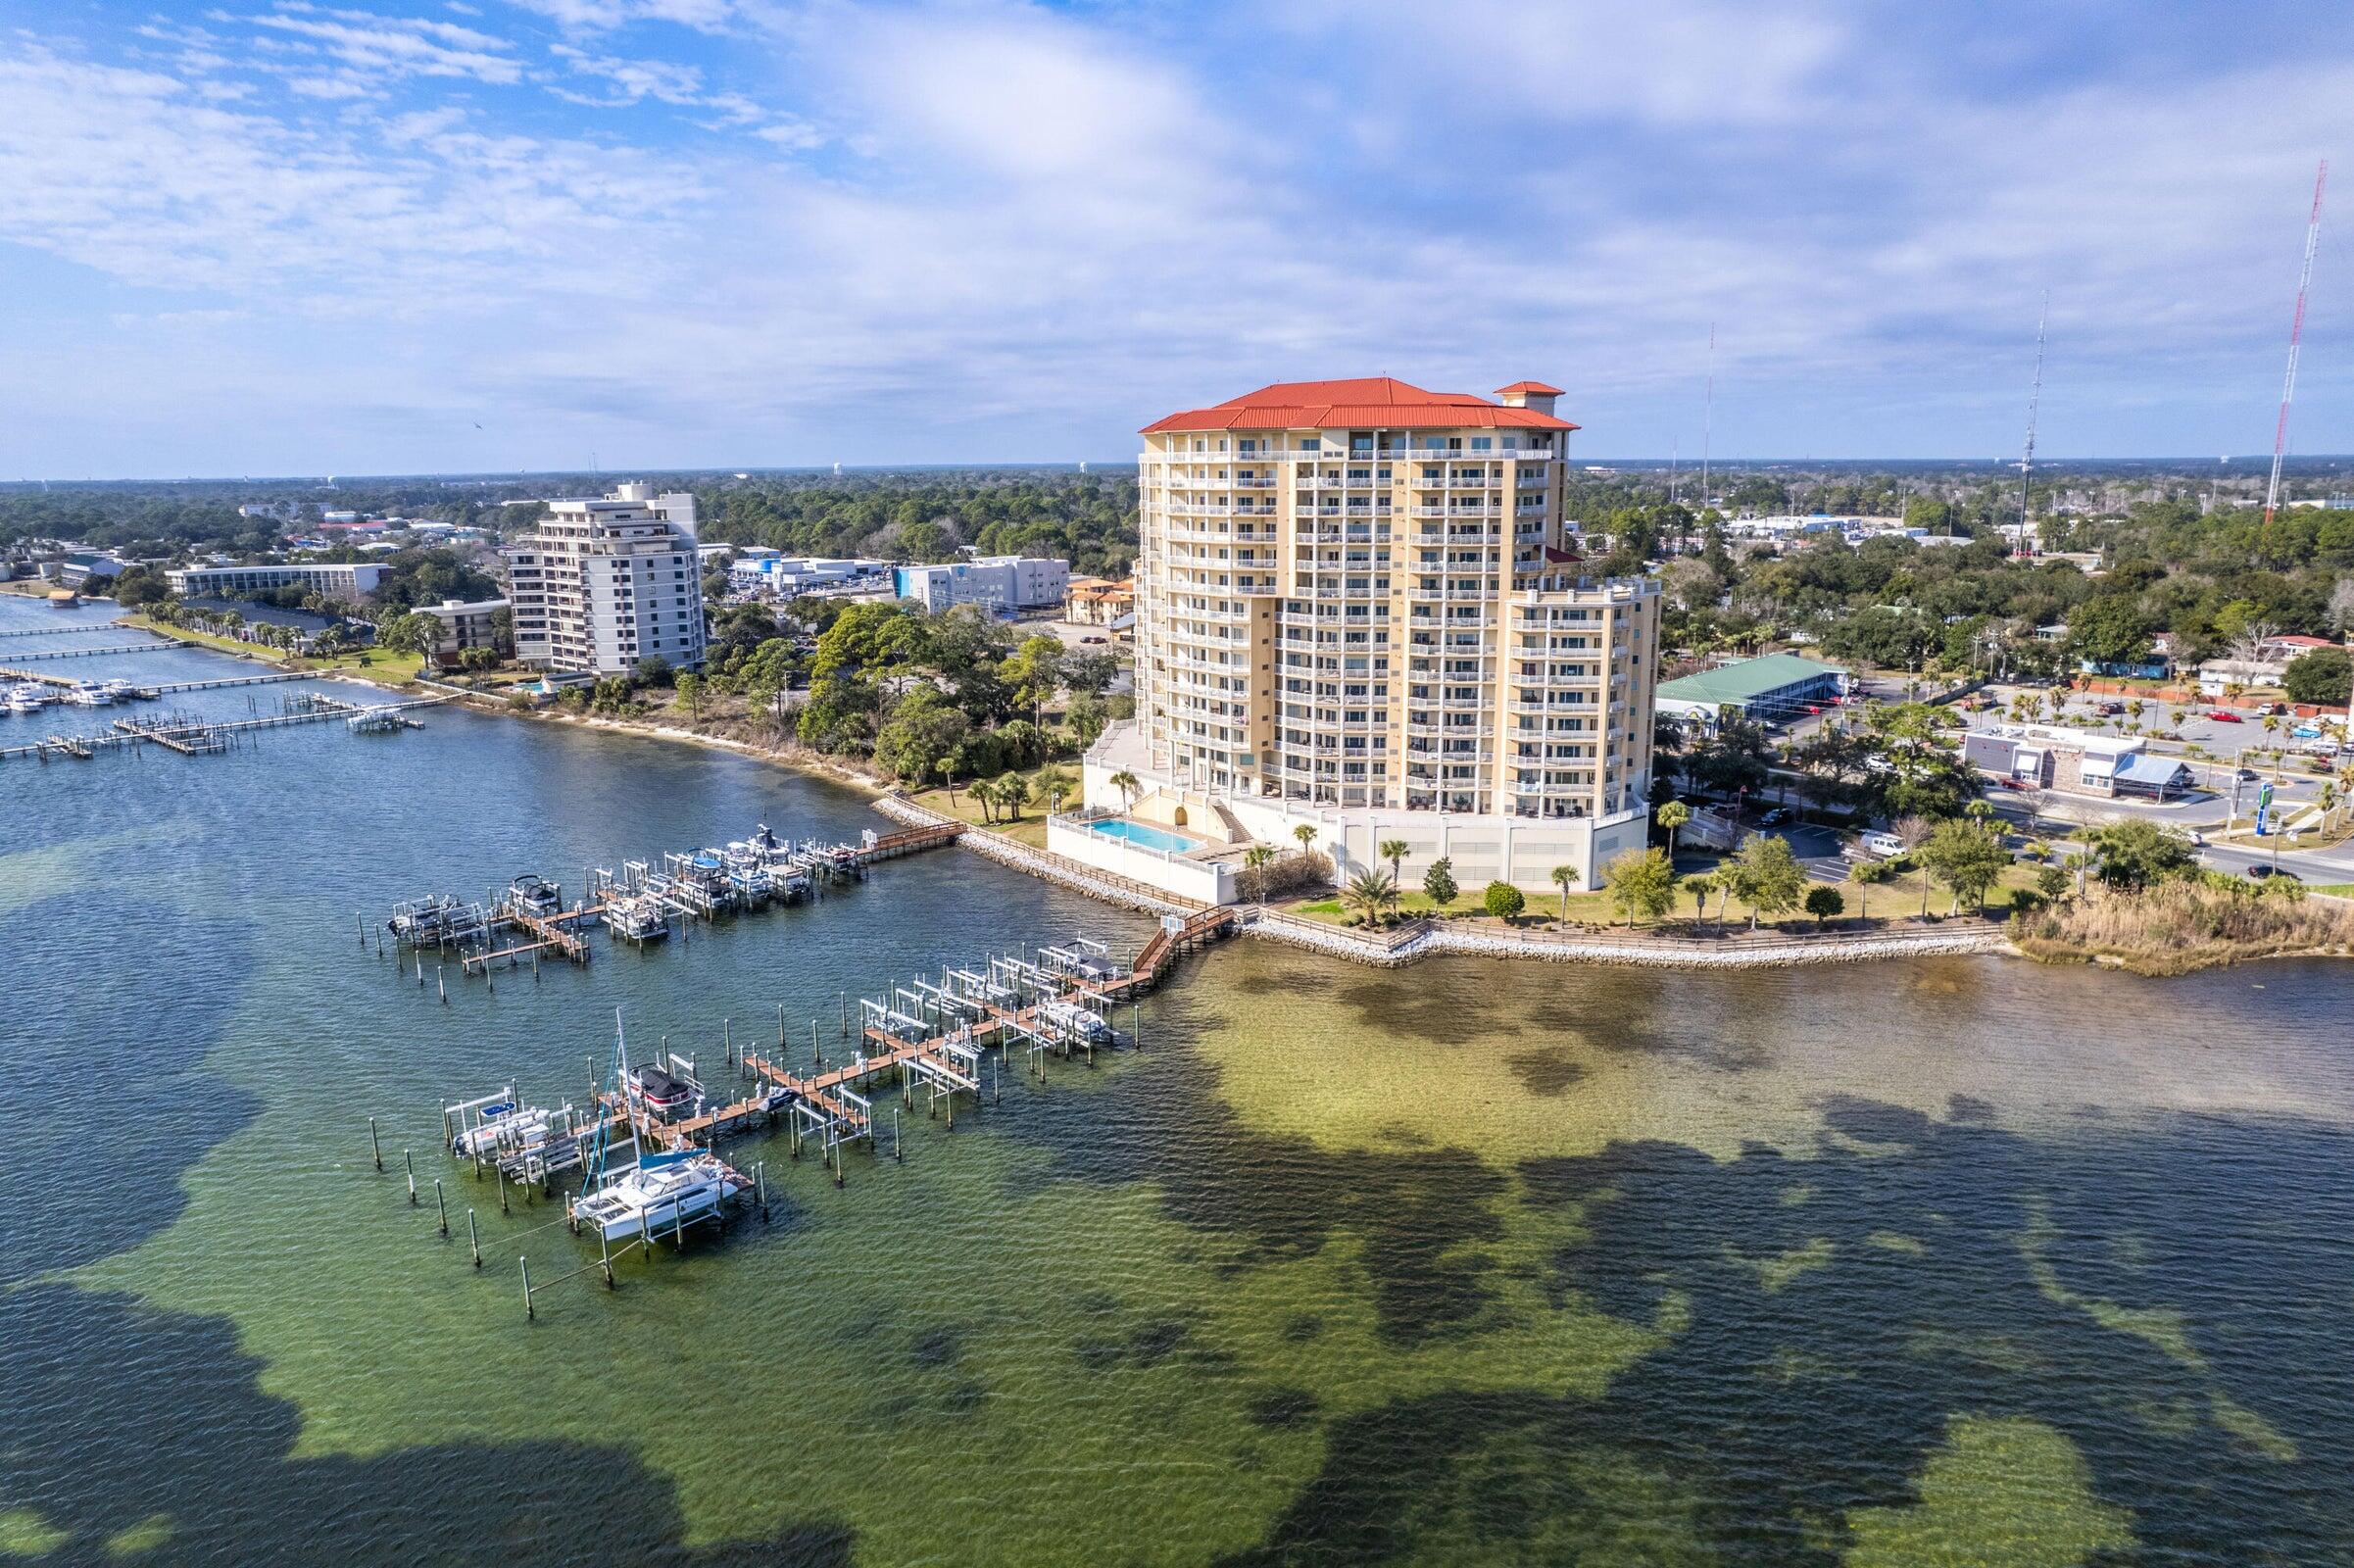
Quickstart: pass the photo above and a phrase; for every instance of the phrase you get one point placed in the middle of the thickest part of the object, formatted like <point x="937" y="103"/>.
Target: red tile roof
<point x="1536" y="388"/>
<point x="1372" y="402"/>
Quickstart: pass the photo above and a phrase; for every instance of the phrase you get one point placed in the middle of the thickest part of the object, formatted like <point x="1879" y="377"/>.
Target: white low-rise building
<point x="792" y="577"/>
<point x="352" y="582"/>
<point x="2073" y="761"/>
<point x="1003" y="586"/>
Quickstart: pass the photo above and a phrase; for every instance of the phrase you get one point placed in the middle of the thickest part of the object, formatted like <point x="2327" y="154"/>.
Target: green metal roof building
<point x="1771" y="689"/>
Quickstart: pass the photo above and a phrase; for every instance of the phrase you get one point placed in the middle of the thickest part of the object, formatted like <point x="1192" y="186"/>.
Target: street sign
<point x="2264" y="810"/>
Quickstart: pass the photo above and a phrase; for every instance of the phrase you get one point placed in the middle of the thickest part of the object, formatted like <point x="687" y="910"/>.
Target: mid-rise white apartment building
<point x="602" y="584"/>
<point x="465" y="624"/>
<point x="1356" y="608"/>
<point x="352" y="583"/>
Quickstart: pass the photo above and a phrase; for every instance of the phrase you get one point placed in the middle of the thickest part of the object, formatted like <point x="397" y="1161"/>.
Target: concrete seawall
<point x="1662" y="952"/>
<point x="1054" y="869"/>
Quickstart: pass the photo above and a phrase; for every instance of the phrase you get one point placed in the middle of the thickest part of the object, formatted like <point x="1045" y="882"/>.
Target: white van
<point x="1877" y="846"/>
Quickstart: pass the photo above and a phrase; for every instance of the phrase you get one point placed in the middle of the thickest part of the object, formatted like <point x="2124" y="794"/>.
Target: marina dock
<point x="641" y="902"/>
<point x="930" y="1039"/>
<point x="192" y="735"/>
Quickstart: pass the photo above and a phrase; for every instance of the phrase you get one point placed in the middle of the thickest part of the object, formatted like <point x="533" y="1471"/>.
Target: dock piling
<point x="442" y="1204"/>
<point x="441" y="975"/>
<point x="474" y="1237"/>
<point x="375" y="1150"/>
<point x="410" y="1166"/>
<point x="528" y="1314"/>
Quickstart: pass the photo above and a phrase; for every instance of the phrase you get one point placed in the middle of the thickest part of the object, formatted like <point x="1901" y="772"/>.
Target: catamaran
<point x="665" y="1192"/>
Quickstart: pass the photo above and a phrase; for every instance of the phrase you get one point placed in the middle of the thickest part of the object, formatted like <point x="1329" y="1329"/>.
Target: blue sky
<point x="294" y="236"/>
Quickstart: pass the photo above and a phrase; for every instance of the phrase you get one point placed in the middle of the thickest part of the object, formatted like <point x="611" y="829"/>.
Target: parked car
<point x="2110" y="710"/>
<point x="1876" y="846"/>
<point x="1777" y="814"/>
<point x="2262" y="871"/>
<point x="2265" y="710"/>
<point x="2224" y="715"/>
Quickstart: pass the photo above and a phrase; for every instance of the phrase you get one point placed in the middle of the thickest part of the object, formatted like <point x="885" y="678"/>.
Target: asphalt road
<point x="2319" y="867"/>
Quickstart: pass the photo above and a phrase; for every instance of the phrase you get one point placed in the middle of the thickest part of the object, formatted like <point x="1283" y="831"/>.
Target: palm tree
<point x="1393" y="851"/>
<point x="1009" y="791"/>
<point x="1700" y="887"/>
<point x="1129" y="786"/>
<point x="1372" y="894"/>
<point x="1306" y="833"/>
<point x="1050" y="787"/>
<point x="1565" y="877"/>
<point x="1255" y="861"/>
<point x="1671" y="815"/>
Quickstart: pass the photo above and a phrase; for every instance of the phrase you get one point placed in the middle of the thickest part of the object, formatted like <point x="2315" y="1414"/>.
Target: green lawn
<point x="1030" y="828"/>
<point x="1899" y="897"/>
<point x="378" y="663"/>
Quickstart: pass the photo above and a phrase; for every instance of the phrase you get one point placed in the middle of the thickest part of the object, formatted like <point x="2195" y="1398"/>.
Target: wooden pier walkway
<point x="547" y="933"/>
<point x="906" y="841"/>
<point x="96" y="653"/>
<point x="1165" y="948"/>
<point x="188" y="739"/>
<point x="238" y="680"/>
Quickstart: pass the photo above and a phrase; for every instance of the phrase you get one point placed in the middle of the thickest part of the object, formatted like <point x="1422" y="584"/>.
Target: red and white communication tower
<point x="2296" y="335"/>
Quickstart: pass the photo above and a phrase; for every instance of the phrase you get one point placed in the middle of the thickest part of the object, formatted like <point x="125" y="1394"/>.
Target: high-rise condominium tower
<point x="602" y="584"/>
<point x="1358" y="603"/>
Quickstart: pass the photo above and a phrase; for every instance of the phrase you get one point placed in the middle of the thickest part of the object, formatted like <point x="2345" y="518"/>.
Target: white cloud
<point x="604" y="16"/>
<point x="632" y="80"/>
<point x="1021" y="221"/>
<point x="390" y="46"/>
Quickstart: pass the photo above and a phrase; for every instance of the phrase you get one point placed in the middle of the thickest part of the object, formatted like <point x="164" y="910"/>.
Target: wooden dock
<point x="930" y="1037"/>
<point x="545" y="933"/>
<point x="92" y="653"/>
<point x="193" y="737"/>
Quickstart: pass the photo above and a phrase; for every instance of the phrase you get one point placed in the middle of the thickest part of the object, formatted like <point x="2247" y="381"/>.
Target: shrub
<point x="1504" y="900"/>
<point x="2182" y="925"/>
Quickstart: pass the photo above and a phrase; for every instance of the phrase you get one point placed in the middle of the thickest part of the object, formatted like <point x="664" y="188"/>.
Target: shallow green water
<point x="1952" y="1263"/>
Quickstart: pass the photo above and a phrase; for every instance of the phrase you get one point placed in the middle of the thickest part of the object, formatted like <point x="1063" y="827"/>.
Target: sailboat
<point x="661" y="1191"/>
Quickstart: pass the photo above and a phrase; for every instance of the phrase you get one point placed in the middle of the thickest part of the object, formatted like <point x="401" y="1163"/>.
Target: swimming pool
<point x="1142" y="836"/>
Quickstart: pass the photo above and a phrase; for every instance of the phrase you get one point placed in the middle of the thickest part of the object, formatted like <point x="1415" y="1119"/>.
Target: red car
<point x="2224" y="715"/>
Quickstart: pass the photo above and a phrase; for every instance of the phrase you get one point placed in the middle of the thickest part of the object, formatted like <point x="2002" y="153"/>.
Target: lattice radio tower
<point x="2296" y="335"/>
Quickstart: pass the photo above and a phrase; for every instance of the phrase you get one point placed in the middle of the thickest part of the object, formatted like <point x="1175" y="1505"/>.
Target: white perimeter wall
<point x="1520" y="849"/>
<point x="1202" y="880"/>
